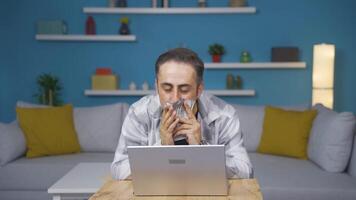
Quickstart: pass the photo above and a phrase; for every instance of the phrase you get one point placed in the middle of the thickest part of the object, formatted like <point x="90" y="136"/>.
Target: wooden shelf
<point x="193" y="10"/>
<point x="257" y="65"/>
<point x="97" y="38"/>
<point x="146" y="92"/>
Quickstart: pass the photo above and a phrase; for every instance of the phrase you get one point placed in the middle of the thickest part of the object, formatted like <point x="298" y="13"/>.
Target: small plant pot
<point x="216" y="58"/>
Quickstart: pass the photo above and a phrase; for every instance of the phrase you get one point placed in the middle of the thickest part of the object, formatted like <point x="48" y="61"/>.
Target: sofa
<point x="329" y="173"/>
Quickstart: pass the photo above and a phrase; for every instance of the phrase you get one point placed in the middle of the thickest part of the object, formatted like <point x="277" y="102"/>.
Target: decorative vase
<point x="122" y="3"/>
<point x="216" y="58"/>
<point x="245" y="57"/>
<point x="47" y="98"/>
<point x="112" y="3"/>
<point x="165" y="3"/>
<point x="239" y="82"/>
<point x="229" y="81"/>
<point x="154" y="4"/>
<point x="90" y="26"/>
<point x="202" y="3"/>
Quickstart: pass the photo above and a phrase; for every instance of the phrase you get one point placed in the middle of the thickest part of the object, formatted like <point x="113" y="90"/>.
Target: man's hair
<point x="182" y="55"/>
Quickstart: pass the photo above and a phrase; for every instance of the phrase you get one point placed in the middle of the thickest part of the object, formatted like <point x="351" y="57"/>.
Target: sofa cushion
<point x="352" y="165"/>
<point x="40" y="173"/>
<point x="251" y="120"/>
<point x="331" y="138"/>
<point x="286" y="132"/>
<point x="99" y="127"/>
<point x="48" y="131"/>
<point x="12" y="142"/>
<point x="289" y="178"/>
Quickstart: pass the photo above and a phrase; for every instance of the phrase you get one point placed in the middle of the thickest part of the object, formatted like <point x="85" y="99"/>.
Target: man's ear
<point x="200" y="88"/>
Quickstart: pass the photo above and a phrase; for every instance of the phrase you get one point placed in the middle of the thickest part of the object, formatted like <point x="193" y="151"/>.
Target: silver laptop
<point x="178" y="170"/>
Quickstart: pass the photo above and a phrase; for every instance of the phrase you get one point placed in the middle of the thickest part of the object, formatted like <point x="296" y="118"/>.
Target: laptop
<point x="178" y="170"/>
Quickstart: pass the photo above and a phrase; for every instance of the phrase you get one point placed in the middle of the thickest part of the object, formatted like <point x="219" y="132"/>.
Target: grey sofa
<point x="279" y="177"/>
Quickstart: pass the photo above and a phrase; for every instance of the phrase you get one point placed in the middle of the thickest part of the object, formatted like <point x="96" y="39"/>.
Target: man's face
<point x="177" y="80"/>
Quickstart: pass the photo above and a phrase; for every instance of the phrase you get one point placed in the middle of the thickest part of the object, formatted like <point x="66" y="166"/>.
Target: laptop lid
<point x="178" y="170"/>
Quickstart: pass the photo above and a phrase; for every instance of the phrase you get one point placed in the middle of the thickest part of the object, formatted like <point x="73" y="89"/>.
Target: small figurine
<point x="124" y="29"/>
<point x="132" y="86"/>
<point x="245" y="57"/>
<point x="145" y="86"/>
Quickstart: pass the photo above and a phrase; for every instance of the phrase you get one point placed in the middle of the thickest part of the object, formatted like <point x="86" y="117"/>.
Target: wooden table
<point x="246" y="189"/>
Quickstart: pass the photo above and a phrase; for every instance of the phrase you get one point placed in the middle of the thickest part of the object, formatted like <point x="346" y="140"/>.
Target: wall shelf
<point x="193" y="10"/>
<point x="146" y="92"/>
<point x="257" y="65"/>
<point x="93" y="38"/>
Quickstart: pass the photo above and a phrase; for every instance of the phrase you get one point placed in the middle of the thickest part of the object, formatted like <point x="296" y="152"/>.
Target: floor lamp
<point x="323" y="74"/>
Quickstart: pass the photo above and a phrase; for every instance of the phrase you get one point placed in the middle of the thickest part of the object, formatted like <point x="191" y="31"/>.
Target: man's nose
<point x="175" y="96"/>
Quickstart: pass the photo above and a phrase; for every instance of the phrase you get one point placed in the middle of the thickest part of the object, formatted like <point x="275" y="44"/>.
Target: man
<point x="153" y="121"/>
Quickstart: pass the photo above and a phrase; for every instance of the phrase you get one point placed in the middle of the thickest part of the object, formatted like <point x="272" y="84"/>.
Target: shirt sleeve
<point x="238" y="164"/>
<point x="133" y="133"/>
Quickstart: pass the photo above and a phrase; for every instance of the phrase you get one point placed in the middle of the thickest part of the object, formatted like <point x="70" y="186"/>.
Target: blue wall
<point x="278" y="23"/>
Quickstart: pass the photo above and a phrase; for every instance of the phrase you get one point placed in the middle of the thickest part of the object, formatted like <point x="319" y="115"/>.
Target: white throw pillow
<point x="251" y="120"/>
<point x="12" y="142"/>
<point x="331" y="138"/>
<point x="99" y="127"/>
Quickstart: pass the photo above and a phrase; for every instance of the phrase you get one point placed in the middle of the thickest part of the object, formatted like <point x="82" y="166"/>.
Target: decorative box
<point x="51" y="27"/>
<point x="104" y="82"/>
<point x="103" y="71"/>
<point x="285" y="54"/>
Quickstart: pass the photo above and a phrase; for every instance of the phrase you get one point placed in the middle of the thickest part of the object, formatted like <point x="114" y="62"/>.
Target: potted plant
<point x="216" y="51"/>
<point x="49" y="90"/>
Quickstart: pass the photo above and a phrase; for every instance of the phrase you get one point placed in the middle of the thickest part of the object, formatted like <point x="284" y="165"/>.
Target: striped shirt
<point x="219" y="125"/>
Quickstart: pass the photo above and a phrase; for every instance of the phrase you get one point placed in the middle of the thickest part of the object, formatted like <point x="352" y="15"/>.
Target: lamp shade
<point x="323" y="74"/>
<point x="323" y="66"/>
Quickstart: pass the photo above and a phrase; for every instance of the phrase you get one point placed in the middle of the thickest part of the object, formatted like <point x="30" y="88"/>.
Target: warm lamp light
<point x="323" y="74"/>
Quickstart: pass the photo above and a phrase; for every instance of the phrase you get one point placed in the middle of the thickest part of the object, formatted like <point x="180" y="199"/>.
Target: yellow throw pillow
<point x="285" y="132"/>
<point x="48" y="131"/>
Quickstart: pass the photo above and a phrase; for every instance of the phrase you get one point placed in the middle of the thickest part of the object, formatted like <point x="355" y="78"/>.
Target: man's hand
<point x="168" y="124"/>
<point x="189" y="127"/>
